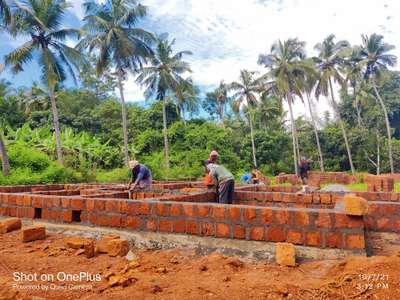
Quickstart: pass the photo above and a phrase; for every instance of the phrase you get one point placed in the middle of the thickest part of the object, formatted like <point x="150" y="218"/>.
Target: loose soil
<point x="181" y="274"/>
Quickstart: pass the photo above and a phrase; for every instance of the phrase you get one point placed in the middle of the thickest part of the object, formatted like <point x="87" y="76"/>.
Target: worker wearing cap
<point x="224" y="180"/>
<point x="140" y="176"/>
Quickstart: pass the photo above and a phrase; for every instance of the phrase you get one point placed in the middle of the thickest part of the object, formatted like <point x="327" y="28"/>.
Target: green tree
<point x="246" y="90"/>
<point x="41" y="21"/>
<point x="375" y="57"/>
<point x="4" y="86"/>
<point x="287" y="70"/>
<point x="329" y="59"/>
<point x="111" y="30"/>
<point x="163" y="78"/>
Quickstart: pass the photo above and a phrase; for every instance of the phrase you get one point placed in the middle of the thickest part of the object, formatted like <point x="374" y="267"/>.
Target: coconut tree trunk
<point x="4" y="157"/>
<point x="56" y="124"/>
<point x="293" y="128"/>
<point x="124" y="118"/>
<point x="165" y="133"/>
<point x="388" y="131"/>
<point x="336" y="108"/>
<point x="253" y="147"/>
<point x="321" y="159"/>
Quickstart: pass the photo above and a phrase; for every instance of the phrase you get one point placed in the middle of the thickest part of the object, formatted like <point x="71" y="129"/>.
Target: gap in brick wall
<point x="38" y="213"/>
<point x="76" y="216"/>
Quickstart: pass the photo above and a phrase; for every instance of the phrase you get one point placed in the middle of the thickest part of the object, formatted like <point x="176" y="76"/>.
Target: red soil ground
<point x="180" y="274"/>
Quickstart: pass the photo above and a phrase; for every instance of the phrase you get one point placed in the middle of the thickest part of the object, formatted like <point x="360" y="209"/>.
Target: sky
<point x="226" y="36"/>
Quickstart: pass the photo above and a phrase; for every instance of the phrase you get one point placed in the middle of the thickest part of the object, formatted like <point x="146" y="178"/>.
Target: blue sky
<point x="226" y="36"/>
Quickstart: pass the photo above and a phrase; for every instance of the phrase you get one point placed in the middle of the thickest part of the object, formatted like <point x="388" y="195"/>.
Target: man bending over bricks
<point x="140" y="176"/>
<point x="224" y="180"/>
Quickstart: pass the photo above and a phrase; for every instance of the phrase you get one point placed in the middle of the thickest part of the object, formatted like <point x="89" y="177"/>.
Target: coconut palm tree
<point x="111" y="31"/>
<point x="287" y="69"/>
<point x="221" y="93"/>
<point x="40" y="20"/>
<point x="246" y="90"/>
<point x="163" y="79"/>
<point x="309" y="85"/>
<point x="5" y="13"/>
<point x="189" y="102"/>
<point x="376" y="58"/>
<point x="330" y="57"/>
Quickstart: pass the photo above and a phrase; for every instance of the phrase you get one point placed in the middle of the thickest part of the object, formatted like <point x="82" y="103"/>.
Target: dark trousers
<point x="226" y="191"/>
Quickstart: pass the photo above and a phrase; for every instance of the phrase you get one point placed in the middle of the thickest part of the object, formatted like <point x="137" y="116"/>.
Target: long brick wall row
<point x="310" y="227"/>
<point x="320" y="177"/>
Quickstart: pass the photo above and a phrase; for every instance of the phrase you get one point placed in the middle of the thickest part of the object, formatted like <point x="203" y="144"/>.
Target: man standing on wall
<point x="224" y="180"/>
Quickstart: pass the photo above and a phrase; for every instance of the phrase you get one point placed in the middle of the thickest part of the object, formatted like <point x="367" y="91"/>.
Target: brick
<point x="144" y="208"/>
<point x="89" y="249"/>
<point x="151" y="225"/>
<point x="316" y="198"/>
<point x="203" y="211"/>
<point x="355" y="241"/>
<point x="276" y="197"/>
<point x="239" y="232"/>
<point x="189" y="210"/>
<point x="250" y="215"/>
<point x="132" y="208"/>
<point x="325" y="198"/>
<point x="76" y="242"/>
<point x="165" y="225"/>
<point x="275" y="234"/>
<point x="313" y="239"/>
<point x="207" y="229"/>
<point x="99" y="204"/>
<point x="117" y="247"/>
<point x="301" y="218"/>
<point x="102" y="245"/>
<point x="282" y="217"/>
<point x="334" y="240"/>
<point x="344" y="221"/>
<point x="179" y="226"/>
<point x="266" y="216"/>
<point x="10" y="224"/>
<point x="67" y="216"/>
<point x="33" y="233"/>
<point x="323" y="220"/>
<point x="285" y="254"/>
<point x="90" y="204"/>
<point x="218" y="212"/>
<point x="355" y="206"/>
<point x="77" y="204"/>
<point x="111" y="206"/>
<point x="176" y="210"/>
<point x="234" y="214"/>
<point x="133" y="222"/>
<point x="295" y="237"/>
<point x="223" y="230"/>
<point x="192" y="227"/>
<point x="384" y="223"/>
<point x="257" y="233"/>
<point x="114" y="221"/>
<point x="37" y="202"/>
<point x="162" y="209"/>
<point x="27" y="200"/>
<point x="307" y="198"/>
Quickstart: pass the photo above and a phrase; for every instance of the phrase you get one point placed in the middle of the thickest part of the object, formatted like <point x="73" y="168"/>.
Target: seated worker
<point x="258" y="177"/>
<point x="140" y="176"/>
<point x="304" y="167"/>
<point x="224" y="180"/>
<point x="208" y="180"/>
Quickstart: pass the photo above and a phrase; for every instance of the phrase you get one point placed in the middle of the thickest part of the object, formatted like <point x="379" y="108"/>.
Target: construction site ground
<point x="181" y="274"/>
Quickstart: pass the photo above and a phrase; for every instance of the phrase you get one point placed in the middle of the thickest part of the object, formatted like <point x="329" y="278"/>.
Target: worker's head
<point x="133" y="164"/>
<point x="303" y="158"/>
<point x="213" y="156"/>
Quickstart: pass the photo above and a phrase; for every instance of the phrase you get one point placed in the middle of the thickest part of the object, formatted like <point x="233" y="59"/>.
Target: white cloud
<point x="227" y="36"/>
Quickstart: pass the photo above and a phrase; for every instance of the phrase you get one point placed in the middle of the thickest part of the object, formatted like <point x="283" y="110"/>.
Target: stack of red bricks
<point x="379" y="183"/>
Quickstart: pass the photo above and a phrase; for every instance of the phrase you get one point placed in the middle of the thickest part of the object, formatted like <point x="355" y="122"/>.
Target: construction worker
<point x="140" y="176"/>
<point x="258" y="177"/>
<point x="213" y="156"/>
<point x="304" y="167"/>
<point x="208" y="180"/>
<point x="224" y="180"/>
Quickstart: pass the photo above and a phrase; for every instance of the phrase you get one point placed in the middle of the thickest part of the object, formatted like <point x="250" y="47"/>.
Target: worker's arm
<point x="138" y="178"/>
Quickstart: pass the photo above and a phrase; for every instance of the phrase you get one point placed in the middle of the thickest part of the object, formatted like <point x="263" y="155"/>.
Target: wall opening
<point x="76" y="216"/>
<point x="38" y="213"/>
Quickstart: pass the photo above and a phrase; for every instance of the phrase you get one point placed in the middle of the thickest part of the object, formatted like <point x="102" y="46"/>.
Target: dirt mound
<point x="181" y="274"/>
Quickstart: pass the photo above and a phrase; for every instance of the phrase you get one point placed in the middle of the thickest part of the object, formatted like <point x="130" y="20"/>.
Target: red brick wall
<point x="309" y="227"/>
